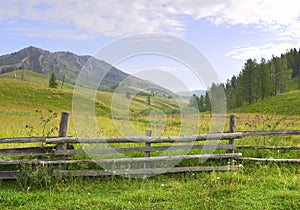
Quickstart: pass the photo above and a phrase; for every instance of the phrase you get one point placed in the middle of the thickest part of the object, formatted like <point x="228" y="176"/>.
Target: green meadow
<point x="254" y="185"/>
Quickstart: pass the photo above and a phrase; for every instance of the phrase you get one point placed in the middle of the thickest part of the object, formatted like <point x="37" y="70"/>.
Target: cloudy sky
<point x="227" y="32"/>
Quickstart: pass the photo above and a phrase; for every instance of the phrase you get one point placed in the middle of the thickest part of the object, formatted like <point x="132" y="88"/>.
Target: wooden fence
<point x="130" y="156"/>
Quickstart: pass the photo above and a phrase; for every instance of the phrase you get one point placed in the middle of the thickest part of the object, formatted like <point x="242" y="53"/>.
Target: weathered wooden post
<point x="63" y="129"/>
<point x="232" y="121"/>
<point x="147" y="150"/>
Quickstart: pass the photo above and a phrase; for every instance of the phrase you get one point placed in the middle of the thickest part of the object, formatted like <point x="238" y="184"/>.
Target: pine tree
<point x="194" y="101"/>
<point x="52" y="82"/>
<point x="128" y="95"/>
<point x="258" y="81"/>
<point x="207" y="102"/>
<point x="264" y="78"/>
<point x="149" y="100"/>
<point x="63" y="81"/>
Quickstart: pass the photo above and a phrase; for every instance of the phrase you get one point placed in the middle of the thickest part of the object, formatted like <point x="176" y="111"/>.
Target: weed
<point x="34" y="176"/>
<point x="265" y="122"/>
<point x="46" y="128"/>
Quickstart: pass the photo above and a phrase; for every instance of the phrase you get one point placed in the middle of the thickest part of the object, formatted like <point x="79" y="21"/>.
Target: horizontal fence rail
<point x="269" y="147"/>
<point x="123" y="160"/>
<point x="271" y="133"/>
<point x="24" y="140"/>
<point x="148" y="154"/>
<point x="144" y="139"/>
<point x="271" y="160"/>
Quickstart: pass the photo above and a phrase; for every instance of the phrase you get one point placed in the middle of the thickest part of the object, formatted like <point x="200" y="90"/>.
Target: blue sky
<point x="226" y="32"/>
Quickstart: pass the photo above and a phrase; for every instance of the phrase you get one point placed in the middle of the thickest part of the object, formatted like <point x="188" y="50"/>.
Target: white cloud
<point x="91" y="18"/>
<point x="85" y="19"/>
<point x="268" y="13"/>
<point x="264" y="51"/>
<point x="284" y="37"/>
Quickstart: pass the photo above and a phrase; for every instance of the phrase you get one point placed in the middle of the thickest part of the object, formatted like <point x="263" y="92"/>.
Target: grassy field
<point x="286" y="104"/>
<point x="254" y="185"/>
<point x="19" y="100"/>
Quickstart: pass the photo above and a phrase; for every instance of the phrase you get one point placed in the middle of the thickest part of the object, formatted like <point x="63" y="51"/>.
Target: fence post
<point x="147" y="150"/>
<point x="232" y="120"/>
<point x="63" y="129"/>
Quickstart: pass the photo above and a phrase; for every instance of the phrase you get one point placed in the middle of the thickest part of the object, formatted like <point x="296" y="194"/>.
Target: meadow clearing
<point x="254" y="185"/>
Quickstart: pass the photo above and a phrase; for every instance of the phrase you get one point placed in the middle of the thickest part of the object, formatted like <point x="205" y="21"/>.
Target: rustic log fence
<point x="144" y="152"/>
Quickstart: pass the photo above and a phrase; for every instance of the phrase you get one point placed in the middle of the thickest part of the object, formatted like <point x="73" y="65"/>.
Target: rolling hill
<point x="34" y="93"/>
<point x="286" y="104"/>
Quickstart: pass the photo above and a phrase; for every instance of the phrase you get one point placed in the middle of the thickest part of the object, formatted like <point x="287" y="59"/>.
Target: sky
<point x="226" y="32"/>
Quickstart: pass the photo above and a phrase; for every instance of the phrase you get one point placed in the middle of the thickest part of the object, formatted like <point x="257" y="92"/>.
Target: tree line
<point x="256" y="81"/>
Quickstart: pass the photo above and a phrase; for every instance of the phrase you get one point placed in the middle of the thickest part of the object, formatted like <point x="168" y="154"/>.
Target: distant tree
<point x="264" y="79"/>
<point x="201" y="105"/>
<point x="194" y="101"/>
<point x="231" y="92"/>
<point x="233" y="81"/>
<point x="52" y="82"/>
<point x="63" y="81"/>
<point x="280" y="75"/>
<point x="249" y="81"/>
<point x="259" y="81"/>
<point x="149" y="100"/>
<point x="207" y="102"/>
<point x="23" y="75"/>
<point x="216" y="95"/>
<point x="128" y="94"/>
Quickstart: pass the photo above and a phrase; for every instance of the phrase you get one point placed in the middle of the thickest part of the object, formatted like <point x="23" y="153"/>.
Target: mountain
<point x="68" y="65"/>
<point x="190" y="93"/>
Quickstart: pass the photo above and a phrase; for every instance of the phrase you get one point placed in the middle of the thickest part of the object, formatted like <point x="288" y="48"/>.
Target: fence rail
<point x="147" y="154"/>
<point x="145" y="139"/>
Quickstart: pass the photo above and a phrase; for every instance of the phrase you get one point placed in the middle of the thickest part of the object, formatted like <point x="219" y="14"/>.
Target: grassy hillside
<point x="32" y="77"/>
<point x="34" y="93"/>
<point x="286" y="104"/>
<point x="19" y="100"/>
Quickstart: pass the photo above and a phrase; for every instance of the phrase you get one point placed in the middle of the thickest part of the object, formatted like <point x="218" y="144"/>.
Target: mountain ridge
<point x="68" y="65"/>
<point x="191" y="92"/>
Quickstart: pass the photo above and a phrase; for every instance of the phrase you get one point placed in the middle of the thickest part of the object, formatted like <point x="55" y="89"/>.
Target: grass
<point x="269" y="186"/>
<point x="33" y="78"/>
<point x="252" y="186"/>
<point x="20" y="99"/>
<point x="285" y="104"/>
